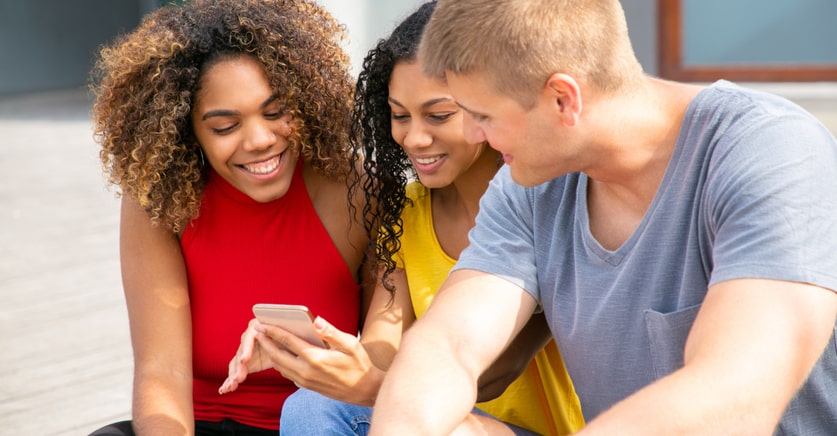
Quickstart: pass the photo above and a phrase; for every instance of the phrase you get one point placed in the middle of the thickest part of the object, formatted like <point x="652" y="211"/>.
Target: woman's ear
<point x="564" y="93"/>
<point x="289" y="125"/>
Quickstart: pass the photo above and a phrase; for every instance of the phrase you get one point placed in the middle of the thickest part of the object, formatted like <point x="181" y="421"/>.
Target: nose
<point x="471" y="130"/>
<point x="417" y="136"/>
<point x="260" y="136"/>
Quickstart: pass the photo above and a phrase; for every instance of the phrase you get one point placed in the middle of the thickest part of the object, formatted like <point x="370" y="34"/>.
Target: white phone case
<point x="296" y="319"/>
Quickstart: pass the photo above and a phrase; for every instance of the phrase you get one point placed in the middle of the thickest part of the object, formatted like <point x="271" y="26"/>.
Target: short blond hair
<point x="518" y="44"/>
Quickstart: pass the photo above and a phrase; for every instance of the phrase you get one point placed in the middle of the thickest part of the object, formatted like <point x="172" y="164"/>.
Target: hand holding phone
<point x="296" y="319"/>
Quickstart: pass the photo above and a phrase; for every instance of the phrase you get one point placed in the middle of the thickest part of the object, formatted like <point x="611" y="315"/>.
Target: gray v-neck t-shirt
<point x="750" y="192"/>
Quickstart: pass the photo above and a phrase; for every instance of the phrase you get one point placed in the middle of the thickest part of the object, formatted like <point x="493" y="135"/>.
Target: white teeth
<point x="427" y="161"/>
<point x="263" y="167"/>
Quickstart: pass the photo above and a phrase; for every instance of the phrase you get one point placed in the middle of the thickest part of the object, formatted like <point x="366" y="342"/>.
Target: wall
<point x="50" y="44"/>
<point x="642" y="27"/>
<point x="369" y="20"/>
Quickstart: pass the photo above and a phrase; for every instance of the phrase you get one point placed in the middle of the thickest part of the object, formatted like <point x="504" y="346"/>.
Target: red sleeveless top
<point x="240" y="252"/>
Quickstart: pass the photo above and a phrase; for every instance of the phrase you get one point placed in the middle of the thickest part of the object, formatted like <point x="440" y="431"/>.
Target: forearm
<point x="162" y="406"/>
<point x="425" y="371"/>
<point x="390" y="315"/>
<point x="432" y="384"/>
<point x="690" y="404"/>
<point x="751" y="347"/>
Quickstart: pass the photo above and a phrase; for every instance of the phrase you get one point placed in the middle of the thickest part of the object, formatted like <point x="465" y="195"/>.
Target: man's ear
<point x="564" y="93"/>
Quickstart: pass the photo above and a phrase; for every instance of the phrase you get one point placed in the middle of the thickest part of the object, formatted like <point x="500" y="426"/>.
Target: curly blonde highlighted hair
<point x="145" y="84"/>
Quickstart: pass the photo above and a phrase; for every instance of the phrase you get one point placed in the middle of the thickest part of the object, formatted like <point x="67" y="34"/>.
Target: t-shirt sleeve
<point x="773" y="203"/>
<point x="501" y="242"/>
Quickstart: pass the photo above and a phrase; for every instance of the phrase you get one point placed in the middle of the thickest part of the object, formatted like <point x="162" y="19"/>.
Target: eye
<point x="399" y="117"/>
<point x="441" y="118"/>
<point x="224" y="130"/>
<point x="273" y="115"/>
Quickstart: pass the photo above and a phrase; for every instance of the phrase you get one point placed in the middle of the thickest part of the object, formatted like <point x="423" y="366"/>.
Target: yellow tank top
<point x="542" y="399"/>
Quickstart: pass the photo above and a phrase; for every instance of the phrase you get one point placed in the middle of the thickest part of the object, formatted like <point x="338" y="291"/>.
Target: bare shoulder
<point x="340" y="218"/>
<point x="327" y="194"/>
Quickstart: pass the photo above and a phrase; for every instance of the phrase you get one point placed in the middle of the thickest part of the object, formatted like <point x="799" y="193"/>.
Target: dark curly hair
<point x="145" y="84"/>
<point x="386" y="167"/>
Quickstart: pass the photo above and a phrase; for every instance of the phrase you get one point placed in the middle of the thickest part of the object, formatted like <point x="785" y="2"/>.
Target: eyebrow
<point x="423" y="105"/>
<point x="228" y="113"/>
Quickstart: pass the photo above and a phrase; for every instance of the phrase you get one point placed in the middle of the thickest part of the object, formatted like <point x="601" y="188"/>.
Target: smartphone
<point x="294" y="318"/>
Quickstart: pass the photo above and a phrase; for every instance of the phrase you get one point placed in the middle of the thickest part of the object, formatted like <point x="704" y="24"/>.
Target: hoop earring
<point x="500" y="160"/>
<point x="287" y="129"/>
<point x="202" y="158"/>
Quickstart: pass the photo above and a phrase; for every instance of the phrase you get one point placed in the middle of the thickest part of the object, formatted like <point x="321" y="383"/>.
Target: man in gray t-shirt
<point x="621" y="316"/>
<point x="682" y="240"/>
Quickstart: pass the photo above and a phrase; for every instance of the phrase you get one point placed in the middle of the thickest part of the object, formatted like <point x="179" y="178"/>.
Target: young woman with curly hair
<point x="225" y="126"/>
<point x="411" y="128"/>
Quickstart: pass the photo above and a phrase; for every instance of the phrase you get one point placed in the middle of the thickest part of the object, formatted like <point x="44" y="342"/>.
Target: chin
<point x="434" y="182"/>
<point x="527" y="180"/>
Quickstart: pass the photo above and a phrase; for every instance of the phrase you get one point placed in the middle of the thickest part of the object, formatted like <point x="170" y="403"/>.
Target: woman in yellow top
<point x="411" y="127"/>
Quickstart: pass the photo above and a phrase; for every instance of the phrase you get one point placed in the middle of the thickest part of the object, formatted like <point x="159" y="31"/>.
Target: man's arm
<point x="752" y="346"/>
<point x="432" y="384"/>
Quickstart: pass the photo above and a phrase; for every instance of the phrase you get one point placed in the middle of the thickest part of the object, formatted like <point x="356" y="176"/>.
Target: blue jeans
<point x="309" y="413"/>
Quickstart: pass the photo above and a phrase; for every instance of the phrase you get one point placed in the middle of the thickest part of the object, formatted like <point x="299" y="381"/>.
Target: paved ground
<point x="65" y="367"/>
<point x="66" y="362"/>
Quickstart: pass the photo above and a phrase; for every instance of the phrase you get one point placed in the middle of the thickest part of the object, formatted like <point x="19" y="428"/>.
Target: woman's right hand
<point x="244" y="362"/>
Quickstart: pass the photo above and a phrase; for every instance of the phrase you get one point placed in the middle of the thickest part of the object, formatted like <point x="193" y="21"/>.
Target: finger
<point x="285" y="339"/>
<point x="336" y="339"/>
<point x="228" y="386"/>
<point x="248" y="341"/>
<point x="243" y="364"/>
<point x="238" y="367"/>
<point x="279" y="357"/>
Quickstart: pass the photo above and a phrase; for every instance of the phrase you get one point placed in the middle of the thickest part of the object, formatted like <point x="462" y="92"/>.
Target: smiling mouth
<point x="428" y="160"/>
<point x="263" y="167"/>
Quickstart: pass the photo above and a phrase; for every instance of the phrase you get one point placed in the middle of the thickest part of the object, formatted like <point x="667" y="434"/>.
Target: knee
<point x="317" y="414"/>
<point x="304" y="402"/>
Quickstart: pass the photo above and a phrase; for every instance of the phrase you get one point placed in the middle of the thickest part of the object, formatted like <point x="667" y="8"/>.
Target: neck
<point x="463" y="195"/>
<point x="634" y="147"/>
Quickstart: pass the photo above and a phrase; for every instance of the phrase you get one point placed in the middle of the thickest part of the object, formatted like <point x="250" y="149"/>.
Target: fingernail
<point x="319" y="323"/>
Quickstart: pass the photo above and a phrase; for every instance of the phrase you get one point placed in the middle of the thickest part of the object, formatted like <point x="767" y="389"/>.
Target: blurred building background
<point x="50" y="44"/>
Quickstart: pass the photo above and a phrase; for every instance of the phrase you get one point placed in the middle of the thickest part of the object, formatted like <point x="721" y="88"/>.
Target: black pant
<point x="226" y="427"/>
